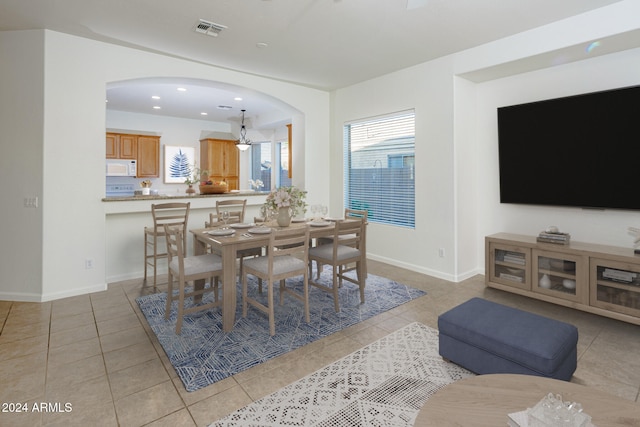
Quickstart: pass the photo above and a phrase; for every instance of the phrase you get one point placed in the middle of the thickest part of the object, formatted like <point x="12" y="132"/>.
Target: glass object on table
<point x="225" y="218"/>
<point x="325" y="210"/>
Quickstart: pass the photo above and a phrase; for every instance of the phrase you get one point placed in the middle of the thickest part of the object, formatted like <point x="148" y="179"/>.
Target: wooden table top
<point x="486" y="400"/>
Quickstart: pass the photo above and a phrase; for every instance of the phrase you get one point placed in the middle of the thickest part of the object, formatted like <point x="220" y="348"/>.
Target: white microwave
<point x="121" y="167"/>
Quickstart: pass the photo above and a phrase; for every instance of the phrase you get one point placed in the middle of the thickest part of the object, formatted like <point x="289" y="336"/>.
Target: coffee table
<point x="486" y="400"/>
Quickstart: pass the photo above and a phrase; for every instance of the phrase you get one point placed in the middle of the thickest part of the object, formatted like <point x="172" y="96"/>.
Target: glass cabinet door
<point x="509" y="265"/>
<point x="615" y="286"/>
<point x="560" y="275"/>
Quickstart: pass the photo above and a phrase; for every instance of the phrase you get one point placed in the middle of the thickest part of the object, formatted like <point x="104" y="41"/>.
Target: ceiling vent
<point x="209" y="28"/>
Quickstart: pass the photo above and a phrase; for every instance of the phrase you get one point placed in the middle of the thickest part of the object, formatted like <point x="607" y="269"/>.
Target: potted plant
<point x="195" y="177"/>
<point x="287" y="202"/>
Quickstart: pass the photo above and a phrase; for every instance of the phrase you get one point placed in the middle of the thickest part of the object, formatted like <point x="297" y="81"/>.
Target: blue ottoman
<point x="489" y="338"/>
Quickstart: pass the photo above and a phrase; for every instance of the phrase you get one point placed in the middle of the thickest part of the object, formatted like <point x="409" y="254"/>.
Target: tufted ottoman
<point x="490" y="338"/>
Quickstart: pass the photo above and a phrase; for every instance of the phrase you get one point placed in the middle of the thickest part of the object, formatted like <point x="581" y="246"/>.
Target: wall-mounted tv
<point x="581" y="150"/>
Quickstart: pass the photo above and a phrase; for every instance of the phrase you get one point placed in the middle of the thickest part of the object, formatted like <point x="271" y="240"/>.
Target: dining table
<point x="245" y="237"/>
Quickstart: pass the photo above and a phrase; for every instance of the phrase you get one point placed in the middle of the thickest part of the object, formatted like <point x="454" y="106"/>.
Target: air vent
<point x="209" y="28"/>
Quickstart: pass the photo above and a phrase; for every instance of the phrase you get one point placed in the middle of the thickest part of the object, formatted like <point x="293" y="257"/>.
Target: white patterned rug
<point x="383" y="384"/>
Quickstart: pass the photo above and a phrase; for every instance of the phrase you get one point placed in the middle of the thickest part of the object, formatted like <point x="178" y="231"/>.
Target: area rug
<point x="383" y="384"/>
<point x="203" y="354"/>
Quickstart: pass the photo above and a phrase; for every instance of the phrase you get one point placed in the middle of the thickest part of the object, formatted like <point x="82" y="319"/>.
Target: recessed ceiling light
<point x="157" y="107"/>
<point x="204" y="114"/>
<point x="181" y="89"/>
<point x="237" y="98"/>
<point x="224" y="107"/>
<point x="155" y="97"/>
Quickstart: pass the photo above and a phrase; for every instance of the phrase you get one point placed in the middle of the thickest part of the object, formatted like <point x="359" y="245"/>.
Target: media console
<point x="599" y="279"/>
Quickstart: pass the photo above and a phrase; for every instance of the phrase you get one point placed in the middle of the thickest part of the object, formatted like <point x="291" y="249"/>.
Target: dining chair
<point x="186" y="269"/>
<point x="287" y="257"/>
<point x="236" y="209"/>
<point x="172" y="214"/>
<point x="344" y="249"/>
<point x="349" y="214"/>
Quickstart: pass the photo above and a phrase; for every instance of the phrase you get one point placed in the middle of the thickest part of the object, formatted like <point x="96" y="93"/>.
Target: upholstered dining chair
<point x="287" y="257"/>
<point x="185" y="269"/>
<point x="344" y="249"/>
<point x="172" y="214"/>
<point x="349" y="214"/>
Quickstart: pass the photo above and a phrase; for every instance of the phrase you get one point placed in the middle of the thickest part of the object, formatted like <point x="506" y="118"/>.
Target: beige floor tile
<point x="101" y="414"/>
<point x="16" y="331"/>
<point x="137" y="378"/>
<point x="125" y="338"/>
<point x="215" y="407"/>
<point x="191" y="397"/>
<point x="73" y="321"/>
<point x="22" y="415"/>
<point x="82" y="396"/>
<point x="113" y="312"/>
<point x="129" y="356"/>
<point x="148" y="405"/>
<point x="118" y="324"/>
<point x="181" y="418"/>
<point x="24" y="347"/>
<point x="73" y="352"/>
<point x="23" y="378"/>
<point x="71" y="306"/>
<point x="65" y="375"/>
<point x="69" y="336"/>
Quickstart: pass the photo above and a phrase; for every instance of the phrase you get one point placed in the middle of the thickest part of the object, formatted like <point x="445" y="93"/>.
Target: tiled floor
<point x="96" y="353"/>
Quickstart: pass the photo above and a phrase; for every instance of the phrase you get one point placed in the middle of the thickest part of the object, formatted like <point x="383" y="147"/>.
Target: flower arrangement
<point x="287" y="197"/>
<point x="256" y="185"/>
<point x="196" y="176"/>
<point x="145" y="184"/>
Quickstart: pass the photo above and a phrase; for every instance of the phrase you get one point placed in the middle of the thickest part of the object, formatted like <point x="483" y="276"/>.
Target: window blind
<point x="379" y="168"/>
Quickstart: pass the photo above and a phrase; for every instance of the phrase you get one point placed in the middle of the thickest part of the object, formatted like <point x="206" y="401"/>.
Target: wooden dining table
<point x="228" y="247"/>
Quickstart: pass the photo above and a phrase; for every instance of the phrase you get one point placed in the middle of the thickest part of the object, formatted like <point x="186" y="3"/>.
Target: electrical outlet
<point x="31" y="202"/>
<point x="441" y="252"/>
<point x="88" y="263"/>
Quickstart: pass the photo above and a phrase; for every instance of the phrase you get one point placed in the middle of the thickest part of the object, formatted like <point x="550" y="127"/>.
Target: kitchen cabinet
<point x="122" y="146"/>
<point x="599" y="279"/>
<point x="145" y="149"/>
<point x="222" y="159"/>
<point x="148" y="156"/>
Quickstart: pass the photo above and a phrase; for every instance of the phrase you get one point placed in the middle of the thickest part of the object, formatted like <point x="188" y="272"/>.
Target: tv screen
<point x="581" y="150"/>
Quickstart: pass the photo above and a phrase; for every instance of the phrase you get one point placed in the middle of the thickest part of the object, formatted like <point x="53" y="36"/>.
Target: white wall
<point x="600" y="73"/>
<point x="456" y="137"/>
<point x="21" y="163"/>
<point x="58" y="95"/>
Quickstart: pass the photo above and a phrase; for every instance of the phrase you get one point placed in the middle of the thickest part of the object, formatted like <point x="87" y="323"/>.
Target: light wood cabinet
<point x="599" y="279"/>
<point x="122" y="146"/>
<point x="221" y="158"/>
<point x="148" y="156"/>
<point x="145" y="149"/>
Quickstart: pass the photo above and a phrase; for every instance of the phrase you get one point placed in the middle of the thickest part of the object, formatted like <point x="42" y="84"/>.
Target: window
<point x="261" y="163"/>
<point x="282" y="160"/>
<point x="379" y="168"/>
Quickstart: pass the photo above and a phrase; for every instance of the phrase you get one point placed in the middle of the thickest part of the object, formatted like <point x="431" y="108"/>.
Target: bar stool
<point x="171" y="214"/>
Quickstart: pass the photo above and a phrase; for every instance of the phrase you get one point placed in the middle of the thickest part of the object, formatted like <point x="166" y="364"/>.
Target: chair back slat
<point x="236" y="209"/>
<point x="171" y="214"/>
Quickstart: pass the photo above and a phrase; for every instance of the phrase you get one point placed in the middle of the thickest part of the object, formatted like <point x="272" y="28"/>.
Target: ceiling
<point x="324" y="44"/>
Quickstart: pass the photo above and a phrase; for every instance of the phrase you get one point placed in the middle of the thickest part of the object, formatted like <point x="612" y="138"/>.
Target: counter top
<point x="184" y="196"/>
<point x="142" y="204"/>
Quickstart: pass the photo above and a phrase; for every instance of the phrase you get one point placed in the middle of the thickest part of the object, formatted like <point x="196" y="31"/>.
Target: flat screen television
<point x="581" y="151"/>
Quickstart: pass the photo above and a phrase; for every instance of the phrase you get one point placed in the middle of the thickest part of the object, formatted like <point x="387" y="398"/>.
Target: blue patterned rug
<point x="203" y="354"/>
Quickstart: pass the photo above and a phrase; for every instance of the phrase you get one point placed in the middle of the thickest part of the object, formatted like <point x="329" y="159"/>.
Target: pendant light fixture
<point x="243" y="143"/>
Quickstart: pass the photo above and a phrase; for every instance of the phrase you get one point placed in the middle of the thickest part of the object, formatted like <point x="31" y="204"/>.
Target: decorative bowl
<point x="569" y="284"/>
<point x="213" y="188"/>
